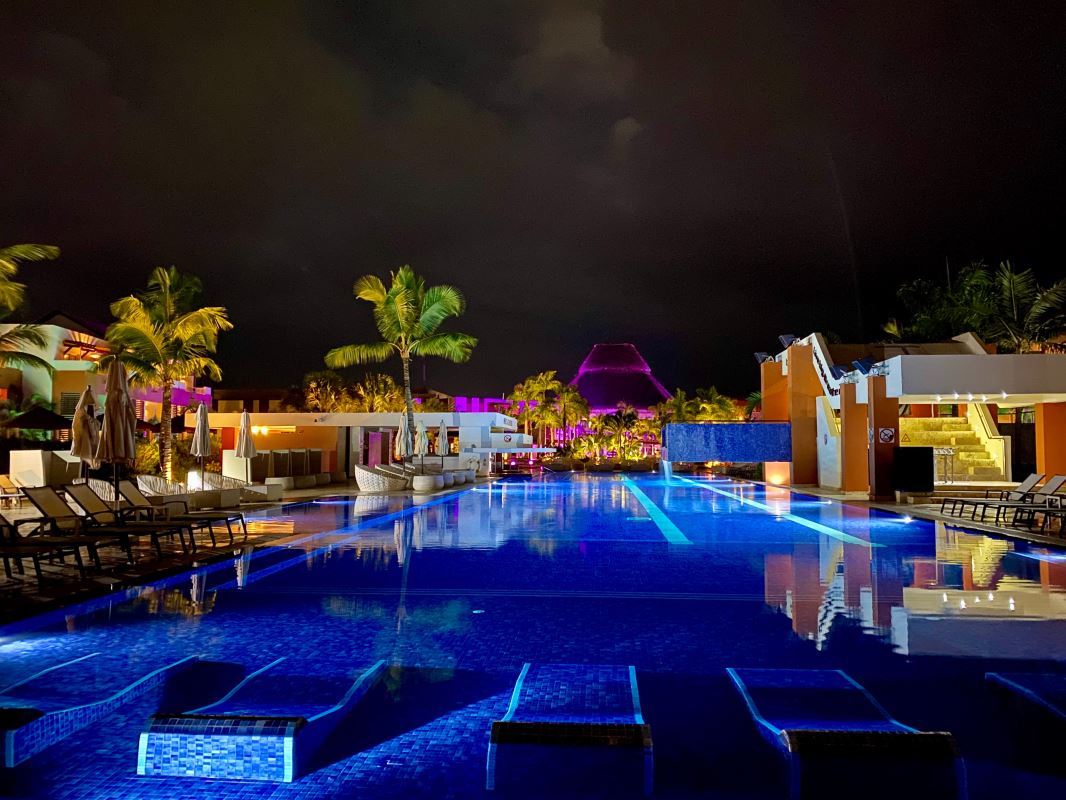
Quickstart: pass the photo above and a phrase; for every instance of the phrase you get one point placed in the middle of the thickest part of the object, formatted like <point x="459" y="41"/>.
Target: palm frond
<point x="351" y="354"/>
<point x="439" y="303"/>
<point x="28" y="252"/>
<point x="203" y="322"/>
<point x="370" y="288"/>
<point x="23" y="336"/>
<point x="11" y="294"/>
<point x="24" y="360"/>
<point x="455" y="347"/>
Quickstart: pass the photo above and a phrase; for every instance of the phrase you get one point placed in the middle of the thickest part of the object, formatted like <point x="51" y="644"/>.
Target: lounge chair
<point x="9" y="491"/>
<point x="63" y="519"/>
<point x="98" y="509"/>
<point x="837" y="737"/>
<point x="1041" y="690"/>
<point x="565" y="705"/>
<point x="16" y="546"/>
<point x="50" y="705"/>
<point x="1034" y="501"/>
<point x="1018" y="494"/>
<point x="178" y="511"/>
<point x="370" y="480"/>
<point x="266" y="728"/>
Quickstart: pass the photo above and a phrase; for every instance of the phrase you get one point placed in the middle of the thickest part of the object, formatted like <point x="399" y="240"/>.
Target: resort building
<point x="614" y="374"/>
<point x="73" y="348"/>
<point x="986" y="416"/>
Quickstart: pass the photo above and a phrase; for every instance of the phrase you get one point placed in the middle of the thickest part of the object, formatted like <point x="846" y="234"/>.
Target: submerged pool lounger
<point x="823" y="714"/>
<point x="266" y="728"/>
<point x="574" y="704"/>
<point x="1046" y="691"/>
<point x="50" y="705"/>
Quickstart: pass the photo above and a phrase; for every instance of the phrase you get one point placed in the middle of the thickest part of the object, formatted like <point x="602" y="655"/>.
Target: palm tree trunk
<point x="164" y="432"/>
<point x="409" y="403"/>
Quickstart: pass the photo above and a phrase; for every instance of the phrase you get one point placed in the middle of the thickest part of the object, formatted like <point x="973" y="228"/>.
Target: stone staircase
<point x="972" y="460"/>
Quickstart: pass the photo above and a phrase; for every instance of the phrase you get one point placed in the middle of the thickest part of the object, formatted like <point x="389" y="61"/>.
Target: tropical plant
<point x="618" y="425"/>
<point x="530" y="398"/>
<point x="679" y="408"/>
<point x="1019" y="314"/>
<point x="161" y="338"/>
<point x="377" y="393"/>
<point x="715" y="406"/>
<point x="753" y="405"/>
<point x="15" y="342"/>
<point x="408" y="316"/>
<point x="570" y="407"/>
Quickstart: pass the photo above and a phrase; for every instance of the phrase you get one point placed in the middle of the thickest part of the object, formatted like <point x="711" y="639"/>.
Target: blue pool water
<point x="679" y="579"/>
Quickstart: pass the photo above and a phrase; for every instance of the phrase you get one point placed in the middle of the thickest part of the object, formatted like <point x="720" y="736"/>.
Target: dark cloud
<point x="694" y="177"/>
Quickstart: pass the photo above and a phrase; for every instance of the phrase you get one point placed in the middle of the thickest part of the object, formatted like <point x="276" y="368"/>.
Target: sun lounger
<point x="370" y="480"/>
<point x="16" y="546"/>
<point x="50" y="705"/>
<point x="9" y="491"/>
<point x="1017" y="494"/>
<point x="178" y="511"/>
<point x="571" y="705"/>
<point x="267" y="728"/>
<point x="1041" y="690"/>
<point x="62" y="520"/>
<point x="838" y="738"/>
<point x="98" y="510"/>
<point x="1034" y="499"/>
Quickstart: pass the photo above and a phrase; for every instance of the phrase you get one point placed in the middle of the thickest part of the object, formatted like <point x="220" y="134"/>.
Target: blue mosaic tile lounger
<point x="50" y="705"/>
<point x="266" y="728"/>
<point x="833" y="732"/>
<point x="573" y="705"/>
<point x="1046" y="691"/>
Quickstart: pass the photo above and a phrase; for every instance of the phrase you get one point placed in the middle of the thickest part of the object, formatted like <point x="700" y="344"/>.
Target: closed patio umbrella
<point x="85" y="430"/>
<point x="116" y="437"/>
<point x="402" y="445"/>
<point x="201" y="439"/>
<point x="421" y="442"/>
<point x="442" y="443"/>
<point x="245" y="444"/>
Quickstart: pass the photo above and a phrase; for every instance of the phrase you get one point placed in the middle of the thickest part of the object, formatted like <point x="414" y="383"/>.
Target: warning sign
<point x="886" y="435"/>
<point x="904" y="438"/>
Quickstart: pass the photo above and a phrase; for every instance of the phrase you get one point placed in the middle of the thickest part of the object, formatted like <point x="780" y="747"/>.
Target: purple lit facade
<point x="617" y="373"/>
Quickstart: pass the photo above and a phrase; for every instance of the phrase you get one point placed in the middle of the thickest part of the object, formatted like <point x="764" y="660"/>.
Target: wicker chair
<point x="371" y="480"/>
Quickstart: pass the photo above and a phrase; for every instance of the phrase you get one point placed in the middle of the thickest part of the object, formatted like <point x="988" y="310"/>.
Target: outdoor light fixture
<point x="762" y="358"/>
<point x="786" y="339"/>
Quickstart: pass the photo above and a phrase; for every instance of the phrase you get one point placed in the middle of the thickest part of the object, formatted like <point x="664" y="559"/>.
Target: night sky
<point x="693" y="177"/>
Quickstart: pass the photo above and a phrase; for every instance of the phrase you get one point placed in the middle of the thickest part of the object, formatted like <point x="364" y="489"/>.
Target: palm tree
<point x="162" y="338"/>
<point x="408" y="316"/>
<point x="679" y="408"/>
<point x="377" y="393"/>
<point x="532" y="395"/>
<point x="570" y="406"/>
<point x="713" y="405"/>
<point x="618" y="424"/>
<point x="15" y="341"/>
<point x="753" y="404"/>
<point x="1019" y="314"/>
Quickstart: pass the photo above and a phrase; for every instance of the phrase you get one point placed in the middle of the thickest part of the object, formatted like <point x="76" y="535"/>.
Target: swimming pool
<point x="679" y="579"/>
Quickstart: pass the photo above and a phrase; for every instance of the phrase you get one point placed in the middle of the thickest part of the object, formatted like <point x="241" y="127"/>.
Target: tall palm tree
<point x="377" y="393"/>
<point x="752" y="405"/>
<point x="570" y="406"/>
<point x="1019" y="314"/>
<point x="162" y="338"/>
<point x="618" y="424"/>
<point x="531" y="395"/>
<point x="679" y="408"/>
<point x="408" y="316"/>
<point x="15" y="342"/>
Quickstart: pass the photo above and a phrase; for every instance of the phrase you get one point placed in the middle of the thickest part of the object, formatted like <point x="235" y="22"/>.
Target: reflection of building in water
<point x="971" y="595"/>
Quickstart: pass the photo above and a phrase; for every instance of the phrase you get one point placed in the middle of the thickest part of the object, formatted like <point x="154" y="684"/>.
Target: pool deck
<point x="22" y="597"/>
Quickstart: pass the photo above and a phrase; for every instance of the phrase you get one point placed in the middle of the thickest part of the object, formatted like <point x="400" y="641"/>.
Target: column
<point x="774" y="386"/>
<point x="1051" y="438"/>
<point x="854" y="436"/>
<point x="883" y="415"/>
<point x="804" y="389"/>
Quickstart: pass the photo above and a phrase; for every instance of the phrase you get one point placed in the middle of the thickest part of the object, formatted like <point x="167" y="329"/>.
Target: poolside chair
<point x="50" y="705"/>
<point x="1033" y="502"/>
<point x="267" y="728"/>
<point x="98" y="509"/>
<point x="178" y="511"/>
<point x="371" y="480"/>
<point x="563" y="706"/>
<point x="9" y="491"/>
<point x="837" y="737"/>
<point x="62" y="519"/>
<point x="1017" y="494"/>
<point x="16" y="546"/>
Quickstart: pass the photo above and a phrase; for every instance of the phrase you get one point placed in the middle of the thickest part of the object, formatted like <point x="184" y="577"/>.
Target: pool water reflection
<point x="679" y="578"/>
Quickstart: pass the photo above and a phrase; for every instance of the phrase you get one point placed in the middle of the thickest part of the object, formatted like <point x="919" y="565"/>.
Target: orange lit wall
<point x="1051" y="438"/>
<point x="854" y="433"/>
<point x="804" y="389"/>
<point x="774" y="388"/>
